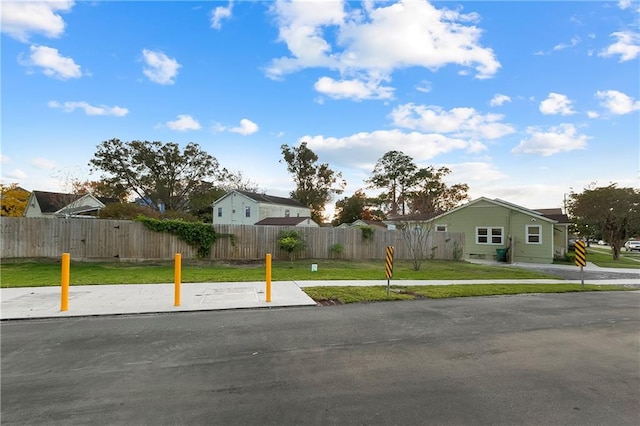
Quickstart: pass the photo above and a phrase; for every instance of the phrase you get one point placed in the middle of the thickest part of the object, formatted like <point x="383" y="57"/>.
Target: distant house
<point x="56" y="204"/>
<point x="249" y="208"/>
<point x="536" y="236"/>
<point x="370" y="223"/>
<point x="289" y="221"/>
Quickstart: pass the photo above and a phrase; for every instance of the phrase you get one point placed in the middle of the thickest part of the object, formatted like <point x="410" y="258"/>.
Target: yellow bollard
<point x="177" y="276"/>
<point x="268" y="277"/>
<point x="64" y="282"/>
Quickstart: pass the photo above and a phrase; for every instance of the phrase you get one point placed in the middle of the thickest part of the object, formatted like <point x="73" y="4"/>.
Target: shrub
<point x="291" y="242"/>
<point x="197" y="234"/>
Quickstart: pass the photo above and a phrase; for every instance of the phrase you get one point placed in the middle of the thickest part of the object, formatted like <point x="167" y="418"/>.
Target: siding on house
<point x="246" y="208"/>
<point x="512" y="221"/>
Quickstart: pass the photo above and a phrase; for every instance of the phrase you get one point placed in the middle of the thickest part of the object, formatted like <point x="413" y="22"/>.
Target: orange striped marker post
<point x="388" y="268"/>
<point x="581" y="258"/>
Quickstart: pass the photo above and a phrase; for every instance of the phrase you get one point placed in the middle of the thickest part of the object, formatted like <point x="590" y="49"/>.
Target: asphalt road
<point x="569" y="359"/>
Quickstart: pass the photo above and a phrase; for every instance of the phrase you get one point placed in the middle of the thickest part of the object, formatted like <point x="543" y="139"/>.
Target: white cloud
<point x="372" y="42"/>
<point x="461" y="122"/>
<point x="627" y="46"/>
<point x="220" y="13"/>
<point x="183" y="123"/>
<point x="160" y="68"/>
<point x="52" y="63"/>
<point x="561" y="46"/>
<point x="90" y="109"/>
<point x="353" y="89"/>
<point x="424" y="86"/>
<point x="22" y="18"/>
<point x="476" y="172"/>
<point x="557" y="139"/>
<point x="499" y="100"/>
<point x="43" y="164"/>
<point x="247" y="127"/>
<point x="623" y="4"/>
<point x="4" y="159"/>
<point x="362" y="150"/>
<point x="556" y="104"/>
<point x="592" y="114"/>
<point x="15" y="174"/>
<point x="617" y="102"/>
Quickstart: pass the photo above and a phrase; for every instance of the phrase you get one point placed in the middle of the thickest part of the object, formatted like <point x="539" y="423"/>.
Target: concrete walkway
<point x="92" y="300"/>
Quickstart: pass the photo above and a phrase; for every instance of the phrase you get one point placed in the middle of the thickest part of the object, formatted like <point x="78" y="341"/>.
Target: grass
<point x="31" y="274"/>
<point x="379" y="293"/>
<point x="603" y="258"/>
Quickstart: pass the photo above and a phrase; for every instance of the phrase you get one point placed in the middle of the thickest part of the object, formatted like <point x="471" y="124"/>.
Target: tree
<point x="358" y="206"/>
<point x="13" y="200"/>
<point x="432" y="196"/>
<point x="156" y="172"/>
<point x="315" y="183"/>
<point x="415" y="234"/>
<point x="613" y="211"/>
<point x="394" y="172"/>
<point x="100" y="188"/>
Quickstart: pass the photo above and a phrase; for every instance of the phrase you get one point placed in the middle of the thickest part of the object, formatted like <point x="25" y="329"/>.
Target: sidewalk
<point x="94" y="300"/>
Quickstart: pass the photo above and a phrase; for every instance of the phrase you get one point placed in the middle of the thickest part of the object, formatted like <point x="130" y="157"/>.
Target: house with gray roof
<point x="248" y="208"/>
<point x="61" y="205"/>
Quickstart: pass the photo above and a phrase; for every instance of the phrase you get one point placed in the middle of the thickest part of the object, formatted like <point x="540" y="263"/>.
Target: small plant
<point x="291" y="242"/>
<point x="367" y="232"/>
<point x="337" y="250"/>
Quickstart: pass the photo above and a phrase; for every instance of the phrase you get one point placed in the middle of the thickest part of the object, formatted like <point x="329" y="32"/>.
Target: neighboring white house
<point x="55" y="204"/>
<point x="248" y="208"/>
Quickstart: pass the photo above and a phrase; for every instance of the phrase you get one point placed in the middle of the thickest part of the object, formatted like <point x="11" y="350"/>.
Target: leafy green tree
<point x="357" y="206"/>
<point x="613" y="211"/>
<point x="394" y="173"/>
<point x="13" y="200"/>
<point x="315" y="183"/>
<point x="431" y="196"/>
<point x="155" y="171"/>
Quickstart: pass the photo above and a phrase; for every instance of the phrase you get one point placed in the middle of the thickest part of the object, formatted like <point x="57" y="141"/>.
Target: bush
<point x="291" y="242"/>
<point x="197" y="234"/>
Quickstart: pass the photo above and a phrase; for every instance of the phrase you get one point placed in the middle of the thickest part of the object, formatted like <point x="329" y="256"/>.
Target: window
<point x="247" y="211"/>
<point x="489" y="235"/>
<point x="287" y="213"/>
<point x="534" y="234"/>
<point x="219" y="211"/>
<point x="441" y="228"/>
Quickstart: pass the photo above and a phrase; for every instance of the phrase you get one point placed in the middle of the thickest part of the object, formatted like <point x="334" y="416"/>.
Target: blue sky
<point x="523" y="101"/>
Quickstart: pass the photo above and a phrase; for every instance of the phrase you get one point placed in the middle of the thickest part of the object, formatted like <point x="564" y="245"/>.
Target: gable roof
<point x="369" y="223"/>
<point x="51" y="202"/>
<point x="283" y="221"/>
<point x="501" y="203"/>
<point x="264" y="198"/>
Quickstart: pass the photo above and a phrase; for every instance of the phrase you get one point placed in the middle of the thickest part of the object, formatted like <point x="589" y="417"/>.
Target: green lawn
<point x="48" y="273"/>
<point x="344" y="294"/>
<point x="603" y="258"/>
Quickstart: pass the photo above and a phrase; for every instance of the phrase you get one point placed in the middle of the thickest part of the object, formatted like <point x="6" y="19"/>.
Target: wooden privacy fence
<point x="95" y="239"/>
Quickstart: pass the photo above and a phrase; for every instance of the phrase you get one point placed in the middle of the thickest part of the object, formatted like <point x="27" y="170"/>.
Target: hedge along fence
<point x="96" y="239"/>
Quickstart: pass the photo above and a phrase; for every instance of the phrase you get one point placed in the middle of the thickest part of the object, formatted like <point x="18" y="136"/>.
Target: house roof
<point x="283" y="221"/>
<point x="58" y="202"/>
<point x="264" y="198"/>
<point x="555" y="214"/>
<point x="502" y="203"/>
<point x="370" y="223"/>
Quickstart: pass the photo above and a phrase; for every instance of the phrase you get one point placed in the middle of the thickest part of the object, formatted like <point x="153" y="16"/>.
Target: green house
<point x="498" y="230"/>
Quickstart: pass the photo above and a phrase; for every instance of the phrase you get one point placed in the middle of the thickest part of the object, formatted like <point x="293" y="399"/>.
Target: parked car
<point x="632" y="245"/>
<point x="572" y="244"/>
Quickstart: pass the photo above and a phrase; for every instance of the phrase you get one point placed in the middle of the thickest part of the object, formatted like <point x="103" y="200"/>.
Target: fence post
<point x="177" y="276"/>
<point x="64" y="281"/>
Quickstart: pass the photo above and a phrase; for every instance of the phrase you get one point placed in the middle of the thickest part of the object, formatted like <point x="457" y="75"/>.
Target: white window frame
<point x="490" y="235"/>
<point x="441" y="228"/>
<point x="287" y="213"/>
<point x="529" y="234"/>
<point x="247" y="211"/>
<point x="219" y="211"/>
